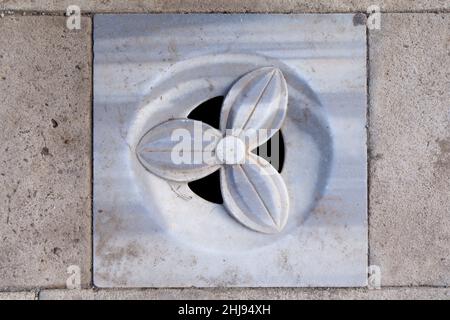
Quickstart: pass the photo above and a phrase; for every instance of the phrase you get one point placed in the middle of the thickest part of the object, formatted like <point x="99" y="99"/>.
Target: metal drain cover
<point x="302" y="74"/>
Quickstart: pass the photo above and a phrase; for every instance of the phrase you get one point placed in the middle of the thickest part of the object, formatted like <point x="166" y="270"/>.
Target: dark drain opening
<point x="208" y="112"/>
<point x="208" y="187"/>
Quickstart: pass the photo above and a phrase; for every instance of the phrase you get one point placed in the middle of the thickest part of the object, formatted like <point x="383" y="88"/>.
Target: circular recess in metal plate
<point x="205" y="225"/>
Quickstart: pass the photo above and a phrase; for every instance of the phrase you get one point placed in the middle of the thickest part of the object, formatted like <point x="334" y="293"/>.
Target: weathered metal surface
<point x="185" y="150"/>
<point x="150" y="232"/>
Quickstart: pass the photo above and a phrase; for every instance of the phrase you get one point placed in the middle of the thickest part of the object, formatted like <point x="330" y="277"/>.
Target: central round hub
<point x="231" y="150"/>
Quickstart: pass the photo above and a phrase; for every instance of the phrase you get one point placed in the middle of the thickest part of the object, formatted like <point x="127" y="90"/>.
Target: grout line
<point x="37" y="291"/>
<point x="368" y="142"/>
<point x="393" y="287"/>
<point x="91" y="280"/>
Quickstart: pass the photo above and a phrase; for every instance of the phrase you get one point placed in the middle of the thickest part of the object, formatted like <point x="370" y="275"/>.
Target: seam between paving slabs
<point x="368" y="143"/>
<point x="91" y="278"/>
<point x="221" y="289"/>
<point x="38" y="291"/>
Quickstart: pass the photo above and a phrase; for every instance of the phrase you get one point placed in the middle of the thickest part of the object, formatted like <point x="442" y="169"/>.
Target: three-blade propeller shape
<point x="185" y="150"/>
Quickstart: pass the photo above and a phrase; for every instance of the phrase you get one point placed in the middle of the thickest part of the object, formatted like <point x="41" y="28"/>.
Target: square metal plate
<point x="152" y="233"/>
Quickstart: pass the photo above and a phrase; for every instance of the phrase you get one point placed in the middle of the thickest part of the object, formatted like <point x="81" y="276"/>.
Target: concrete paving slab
<point x="251" y="294"/>
<point x="45" y="166"/>
<point x="26" y="295"/>
<point x="235" y="6"/>
<point x="409" y="142"/>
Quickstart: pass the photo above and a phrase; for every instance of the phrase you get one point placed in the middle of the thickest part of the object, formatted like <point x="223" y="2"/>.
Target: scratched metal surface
<point x="151" y="233"/>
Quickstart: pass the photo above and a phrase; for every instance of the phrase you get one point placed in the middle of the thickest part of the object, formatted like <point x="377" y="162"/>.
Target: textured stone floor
<point x="45" y="189"/>
<point x="45" y="154"/>
<point x="409" y="145"/>
<point x="279" y="6"/>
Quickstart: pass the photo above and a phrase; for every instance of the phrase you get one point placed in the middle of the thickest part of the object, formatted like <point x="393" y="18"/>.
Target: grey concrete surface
<point x="274" y="6"/>
<point x="45" y="213"/>
<point x="409" y="149"/>
<point x="45" y="166"/>
<point x="251" y="294"/>
<point x="25" y="295"/>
